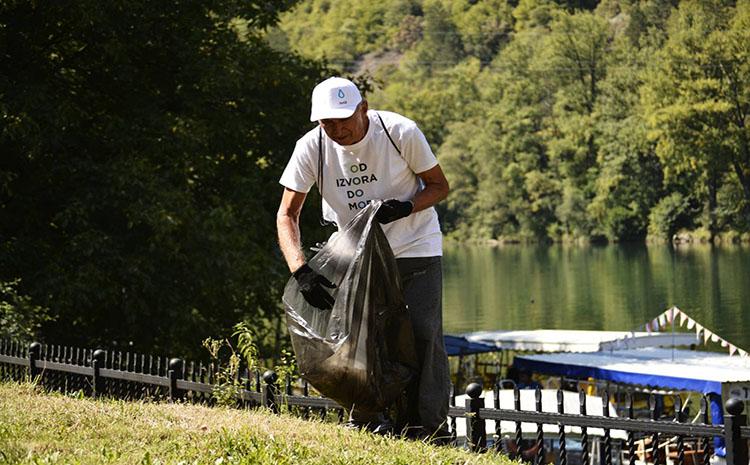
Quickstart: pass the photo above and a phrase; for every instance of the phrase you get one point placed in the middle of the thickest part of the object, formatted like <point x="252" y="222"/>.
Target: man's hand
<point x="392" y="210"/>
<point x="311" y="286"/>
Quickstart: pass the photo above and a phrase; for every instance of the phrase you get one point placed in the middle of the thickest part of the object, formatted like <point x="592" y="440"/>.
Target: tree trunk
<point x="712" y="202"/>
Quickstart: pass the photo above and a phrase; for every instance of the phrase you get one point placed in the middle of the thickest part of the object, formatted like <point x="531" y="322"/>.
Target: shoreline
<point x="679" y="239"/>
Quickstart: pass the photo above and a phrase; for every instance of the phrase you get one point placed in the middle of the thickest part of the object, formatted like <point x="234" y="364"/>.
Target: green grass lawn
<point x="42" y="428"/>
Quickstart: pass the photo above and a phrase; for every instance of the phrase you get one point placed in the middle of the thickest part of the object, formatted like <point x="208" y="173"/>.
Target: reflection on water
<point x="615" y="287"/>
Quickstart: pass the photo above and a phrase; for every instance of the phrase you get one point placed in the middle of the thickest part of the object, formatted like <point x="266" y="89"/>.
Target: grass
<point x="42" y="428"/>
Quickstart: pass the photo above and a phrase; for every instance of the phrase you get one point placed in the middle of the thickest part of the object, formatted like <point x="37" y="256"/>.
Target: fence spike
<point x="705" y="443"/>
<point x="539" y="428"/>
<point x="517" y="407"/>
<point x="655" y="435"/>
<point x="607" y="434"/>
<point x="563" y="445"/>
<point x="631" y="436"/>
<point x="584" y="430"/>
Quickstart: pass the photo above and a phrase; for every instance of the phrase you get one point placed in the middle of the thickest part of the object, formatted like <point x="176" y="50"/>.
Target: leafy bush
<point x="668" y="216"/>
<point x="20" y="318"/>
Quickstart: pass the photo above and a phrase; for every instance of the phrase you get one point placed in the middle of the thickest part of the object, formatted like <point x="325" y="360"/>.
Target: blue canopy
<point x="459" y="345"/>
<point x="687" y="370"/>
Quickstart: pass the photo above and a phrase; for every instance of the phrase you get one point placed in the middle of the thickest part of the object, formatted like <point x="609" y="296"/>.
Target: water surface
<point x="614" y="287"/>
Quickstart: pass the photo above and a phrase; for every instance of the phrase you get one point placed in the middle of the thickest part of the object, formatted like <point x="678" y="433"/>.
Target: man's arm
<point x="287" y="226"/>
<point x="436" y="189"/>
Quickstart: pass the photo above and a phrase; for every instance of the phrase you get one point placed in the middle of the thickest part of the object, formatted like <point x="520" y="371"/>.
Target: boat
<point x="562" y="340"/>
<point x="716" y="375"/>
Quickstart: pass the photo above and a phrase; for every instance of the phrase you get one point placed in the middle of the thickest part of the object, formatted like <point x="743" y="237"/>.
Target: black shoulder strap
<point x="323" y="221"/>
<point x="320" y="160"/>
<point x="388" y="133"/>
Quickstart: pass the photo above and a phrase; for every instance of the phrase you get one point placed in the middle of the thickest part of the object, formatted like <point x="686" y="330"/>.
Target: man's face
<point x="348" y="131"/>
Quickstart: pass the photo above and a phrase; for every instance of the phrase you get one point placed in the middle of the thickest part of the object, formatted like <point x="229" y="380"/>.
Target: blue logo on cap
<point x="341" y="94"/>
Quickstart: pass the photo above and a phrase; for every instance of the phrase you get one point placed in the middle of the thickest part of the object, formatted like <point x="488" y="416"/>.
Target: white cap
<point x="334" y="98"/>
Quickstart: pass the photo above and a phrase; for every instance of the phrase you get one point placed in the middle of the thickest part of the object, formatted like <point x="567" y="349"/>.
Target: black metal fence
<point x="134" y="376"/>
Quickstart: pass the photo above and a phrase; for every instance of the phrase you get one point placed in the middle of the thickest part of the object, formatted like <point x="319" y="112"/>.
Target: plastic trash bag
<point x="361" y="352"/>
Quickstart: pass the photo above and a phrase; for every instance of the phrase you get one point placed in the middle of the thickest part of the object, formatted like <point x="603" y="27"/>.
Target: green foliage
<point x="231" y="356"/>
<point x="484" y="27"/>
<point x="697" y="98"/>
<point x="246" y="345"/>
<point x="630" y="182"/>
<point x="531" y="14"/>
<point x="20" y="318"/>
<point x="441" y="45"/>
<point x="340" y="31"/>
<point x="227" y="383"/>
<point x="142" y="144"/>
<point x="668" y="216"/>
<point x="573" y="120"/>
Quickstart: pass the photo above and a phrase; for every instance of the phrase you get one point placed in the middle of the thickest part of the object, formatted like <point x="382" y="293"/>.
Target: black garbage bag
<point x="361" y="352"/>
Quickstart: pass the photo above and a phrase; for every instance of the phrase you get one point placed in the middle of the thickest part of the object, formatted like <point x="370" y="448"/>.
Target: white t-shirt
<point x="372" y="169"/>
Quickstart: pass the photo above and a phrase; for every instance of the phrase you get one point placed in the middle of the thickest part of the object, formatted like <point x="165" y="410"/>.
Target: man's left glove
<point x="392" y="210"/>
<point x="311" y="286"/>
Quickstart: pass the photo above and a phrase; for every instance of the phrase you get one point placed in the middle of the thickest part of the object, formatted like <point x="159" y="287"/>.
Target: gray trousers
<point x="426" y="398"/>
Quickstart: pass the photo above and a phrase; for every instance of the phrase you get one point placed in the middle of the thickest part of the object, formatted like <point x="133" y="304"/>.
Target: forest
<point x="141" y="142"/>
<point x="607" y="121"/>
<point x="141" y="145"/>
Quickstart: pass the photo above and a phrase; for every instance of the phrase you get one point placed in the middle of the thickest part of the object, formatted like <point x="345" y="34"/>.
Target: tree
<point x="497" y="155"/>
<point x="484" y="26"/>
<point x="441" y="45"/>
<point x="141" y="147"/>
<point x="575" y="57"/>
<point x="630" y="181"/>
<point x="697" y="100"/>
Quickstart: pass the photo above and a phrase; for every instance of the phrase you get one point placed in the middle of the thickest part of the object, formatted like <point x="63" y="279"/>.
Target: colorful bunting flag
<point x="670" y="315"/>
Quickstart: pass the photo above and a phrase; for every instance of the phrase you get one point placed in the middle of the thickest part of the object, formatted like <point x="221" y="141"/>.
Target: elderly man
<point x="356" y="155"/>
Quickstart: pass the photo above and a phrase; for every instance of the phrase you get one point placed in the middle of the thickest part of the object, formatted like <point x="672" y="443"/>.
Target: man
<point x="356" y="155"/>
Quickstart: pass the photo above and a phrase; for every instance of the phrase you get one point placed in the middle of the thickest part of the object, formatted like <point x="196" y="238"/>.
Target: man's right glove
<point x="392" y="210"/>
<point x="311" y="286"/>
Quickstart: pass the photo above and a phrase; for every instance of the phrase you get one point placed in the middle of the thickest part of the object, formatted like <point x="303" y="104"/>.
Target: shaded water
<point x="614" y="287"/>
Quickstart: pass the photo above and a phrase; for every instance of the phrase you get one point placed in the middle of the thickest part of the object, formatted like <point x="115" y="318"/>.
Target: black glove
<point x="311" y="286"/>
<point x="392" y="210"/>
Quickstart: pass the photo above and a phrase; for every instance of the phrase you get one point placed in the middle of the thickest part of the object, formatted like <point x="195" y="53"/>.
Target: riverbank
<point x="682" y="237"/>
<point x="39" y="427"/>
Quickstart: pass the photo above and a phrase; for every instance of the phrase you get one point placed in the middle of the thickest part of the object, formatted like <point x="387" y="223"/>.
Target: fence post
<point x="34" y="350"/>
<point x="733" y="421"/>
<point x="175" y="369"/>
<point x="475" y="424"/>
<point x="97" y="362"/>
<point x="269" y="391"/>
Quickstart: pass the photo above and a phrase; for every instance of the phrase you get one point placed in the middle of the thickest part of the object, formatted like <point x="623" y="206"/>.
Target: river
<point x="613" y="287"/>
